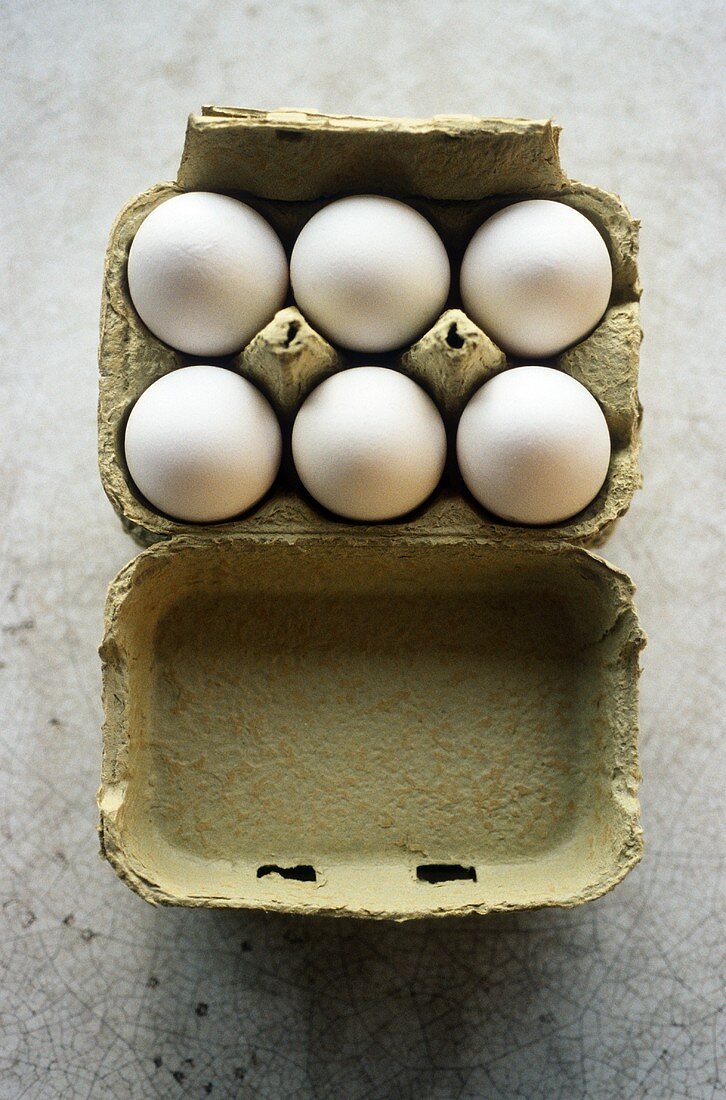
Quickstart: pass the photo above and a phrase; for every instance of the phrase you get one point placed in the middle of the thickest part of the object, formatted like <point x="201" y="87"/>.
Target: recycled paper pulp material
<point x="432" y="716"/>
<point x="364" y="710"/>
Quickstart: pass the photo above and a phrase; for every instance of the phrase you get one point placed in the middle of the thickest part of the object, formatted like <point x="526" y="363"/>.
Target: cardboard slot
<point x="270" y="695"/>
<point x="438" y="873"/>
<point x="302" y="872"/>
<point x="453" y="338"/>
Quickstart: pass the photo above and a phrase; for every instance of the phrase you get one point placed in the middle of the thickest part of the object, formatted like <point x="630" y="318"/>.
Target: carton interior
<point x="326" y="725"/>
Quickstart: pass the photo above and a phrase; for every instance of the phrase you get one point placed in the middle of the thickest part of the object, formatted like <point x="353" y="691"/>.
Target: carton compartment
<point x="288" y="165"/>
<point x="349" y="726"/>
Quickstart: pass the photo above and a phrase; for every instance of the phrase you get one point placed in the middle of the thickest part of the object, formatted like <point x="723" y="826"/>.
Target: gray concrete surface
<point x="103" y="996"/>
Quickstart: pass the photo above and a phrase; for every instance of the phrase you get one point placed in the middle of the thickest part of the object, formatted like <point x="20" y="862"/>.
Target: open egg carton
<point x="420" y="717"/>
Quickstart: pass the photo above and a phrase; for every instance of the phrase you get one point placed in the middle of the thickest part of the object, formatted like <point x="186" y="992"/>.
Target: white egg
<point x="370" y="273"/>
<point x="533" y="446"/>
<point x="206" y="273"/>
<point x="369" y="444"/>
<point x="536" y="277"/>
<point x="202" y="444"/>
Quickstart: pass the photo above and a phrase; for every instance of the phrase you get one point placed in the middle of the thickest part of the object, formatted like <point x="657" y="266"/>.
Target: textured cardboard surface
<point x="363" y="709"/>
<point x="293" y="155"/>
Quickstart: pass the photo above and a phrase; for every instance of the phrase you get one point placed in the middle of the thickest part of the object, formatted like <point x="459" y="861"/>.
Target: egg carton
<point x="427" y="716"/>
<point x="288" y="358"/>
